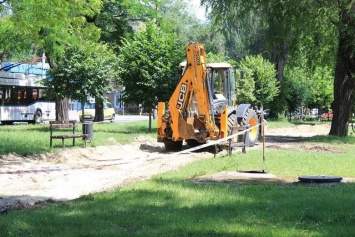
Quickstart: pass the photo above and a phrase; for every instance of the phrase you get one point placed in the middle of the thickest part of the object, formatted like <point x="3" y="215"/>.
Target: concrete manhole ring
<point x="319" y="179"/>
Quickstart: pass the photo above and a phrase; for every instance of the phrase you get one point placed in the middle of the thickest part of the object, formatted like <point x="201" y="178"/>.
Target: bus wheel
<point x="38" y="117"/>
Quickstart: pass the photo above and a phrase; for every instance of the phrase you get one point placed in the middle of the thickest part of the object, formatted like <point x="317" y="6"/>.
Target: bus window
<point x="28" y="96"/>
<point x="13" y="96"/>
<point x="35" y="94"/>
<point x="21" y="96"/>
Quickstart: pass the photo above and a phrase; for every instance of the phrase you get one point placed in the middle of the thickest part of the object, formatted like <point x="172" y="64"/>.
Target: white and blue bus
<point x="23" y="99"/>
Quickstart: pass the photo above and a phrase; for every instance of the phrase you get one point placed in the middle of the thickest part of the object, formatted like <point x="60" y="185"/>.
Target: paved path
<point x="129" y="118"/>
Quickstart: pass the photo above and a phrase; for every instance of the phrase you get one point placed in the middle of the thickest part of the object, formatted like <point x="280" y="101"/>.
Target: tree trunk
<point x="99" y="110"/>
<point x="344" y="82"/>
<point x="61" y="105"/>
<point x="82" y="111"/>
<point x="150" y="121"/>
<point x="344" y="86"/>
<point x="280" y="56"/>
<point x="61" y="109"/>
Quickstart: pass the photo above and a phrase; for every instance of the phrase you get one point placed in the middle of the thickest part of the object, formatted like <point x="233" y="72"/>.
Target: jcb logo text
<point x="182" y="94"/>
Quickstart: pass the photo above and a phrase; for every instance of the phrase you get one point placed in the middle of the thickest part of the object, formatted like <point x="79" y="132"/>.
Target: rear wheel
<point x="171" y="145"/>
<point x="38" y="117"/>
<point x="232" y="123"/>
<point x="251" y="118"/>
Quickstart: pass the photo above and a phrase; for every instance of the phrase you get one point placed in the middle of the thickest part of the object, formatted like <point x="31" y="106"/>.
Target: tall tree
<point x="117" y="20"/>
<point x="84" y="72"/>
<point x="259" y="84"/>
<point x="297" y="89"/>
<point x="149" y="65"/>
<point x="344" y="80"/>
<point x="291" y="22"/>
<point x="178" y="16"/>
<point x="50" y="26"/>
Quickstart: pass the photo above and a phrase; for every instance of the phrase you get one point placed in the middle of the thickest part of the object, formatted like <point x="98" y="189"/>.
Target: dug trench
<point x="37" y="180"/>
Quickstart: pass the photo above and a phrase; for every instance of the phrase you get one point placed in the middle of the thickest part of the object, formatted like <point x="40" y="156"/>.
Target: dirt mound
<point x="70" y="173"/>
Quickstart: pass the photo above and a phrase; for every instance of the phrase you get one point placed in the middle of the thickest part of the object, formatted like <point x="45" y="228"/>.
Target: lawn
<point x="31" y="139"/>
<point x="172" y="204"/>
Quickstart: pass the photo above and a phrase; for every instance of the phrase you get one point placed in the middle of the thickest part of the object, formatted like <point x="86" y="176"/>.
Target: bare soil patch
<point x="244" y="178"/>
<point x="67" y="174"/>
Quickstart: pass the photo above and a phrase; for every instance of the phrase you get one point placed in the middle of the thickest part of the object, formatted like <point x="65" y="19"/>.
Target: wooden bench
<point x="68" y="126"/>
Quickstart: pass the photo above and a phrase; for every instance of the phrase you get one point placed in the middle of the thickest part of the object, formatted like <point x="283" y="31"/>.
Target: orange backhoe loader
<point x="203" y="106"/>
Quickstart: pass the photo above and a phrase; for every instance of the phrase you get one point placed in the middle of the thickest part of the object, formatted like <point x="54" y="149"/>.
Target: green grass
<point x="32" y="139"/>
<point x="278" y="123"/>
<point x="318" y="159"/>
<point x="171" y="204"/>
<point x="285" y="122"/>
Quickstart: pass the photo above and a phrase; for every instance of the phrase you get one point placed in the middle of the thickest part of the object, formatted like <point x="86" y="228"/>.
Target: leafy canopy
<point x="84" y="71"/>
<point x="259" y="84"/>
<point x="37" y="26"/>
<point x="148" y="66"/>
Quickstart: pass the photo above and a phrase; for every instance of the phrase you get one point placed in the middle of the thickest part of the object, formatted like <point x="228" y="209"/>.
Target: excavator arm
<point x="189" y="114"/>
<point x="203" y="106"/>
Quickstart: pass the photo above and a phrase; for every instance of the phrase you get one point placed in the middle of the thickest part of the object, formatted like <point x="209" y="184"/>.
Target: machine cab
<point x="221" y="83"/>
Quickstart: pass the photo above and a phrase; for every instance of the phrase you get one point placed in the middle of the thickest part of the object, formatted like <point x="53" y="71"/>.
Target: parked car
<point x="266" y="113"/>
<point x="314" y="112"/>
<point x="328" y="115"/>
<point x="89" y="112"/>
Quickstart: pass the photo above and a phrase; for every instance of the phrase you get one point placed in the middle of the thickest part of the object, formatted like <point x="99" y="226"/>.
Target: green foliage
<point x="309" y="88"/>
<point x="219" y="58"/>
<point x="320" y="34"/>
<point x="37" y="26"/>
<point x="297" y="89"/>
<point x="322" y="80"/>
<point x="50" y="26"/>
<point x="114" y="20"/>
<point x="179" y="17"/>
<point x="149" y="66"/>
<point x="259" y="84"/>
<point x="84" y="71"/>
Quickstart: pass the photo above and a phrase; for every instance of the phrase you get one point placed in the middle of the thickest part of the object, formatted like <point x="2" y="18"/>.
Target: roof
<point x="36" y="69"/>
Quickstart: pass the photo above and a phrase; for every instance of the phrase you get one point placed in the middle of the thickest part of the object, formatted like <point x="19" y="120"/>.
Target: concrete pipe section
<point x="319" y="179"/>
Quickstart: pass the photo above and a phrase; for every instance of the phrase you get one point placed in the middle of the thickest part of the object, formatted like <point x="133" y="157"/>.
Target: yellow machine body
<point x="203" y="104"/>
<point x="189" y="114"/>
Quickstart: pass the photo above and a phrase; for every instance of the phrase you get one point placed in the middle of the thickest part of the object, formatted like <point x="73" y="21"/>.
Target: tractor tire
<point x="37" y="119"/>
<point x="232" y="122"/>
<point x="171" y="145"/>
<point x="251" y="118"/>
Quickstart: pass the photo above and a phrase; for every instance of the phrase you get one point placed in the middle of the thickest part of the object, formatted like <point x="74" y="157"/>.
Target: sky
<point x="199" y="11"/>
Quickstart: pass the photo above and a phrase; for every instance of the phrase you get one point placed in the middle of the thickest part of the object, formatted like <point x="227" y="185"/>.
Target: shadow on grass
<point x="318" y="139"/>
<point x="330" y="139"/>
<point x="181" y="208"/>
<point x="32" y="139"/>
